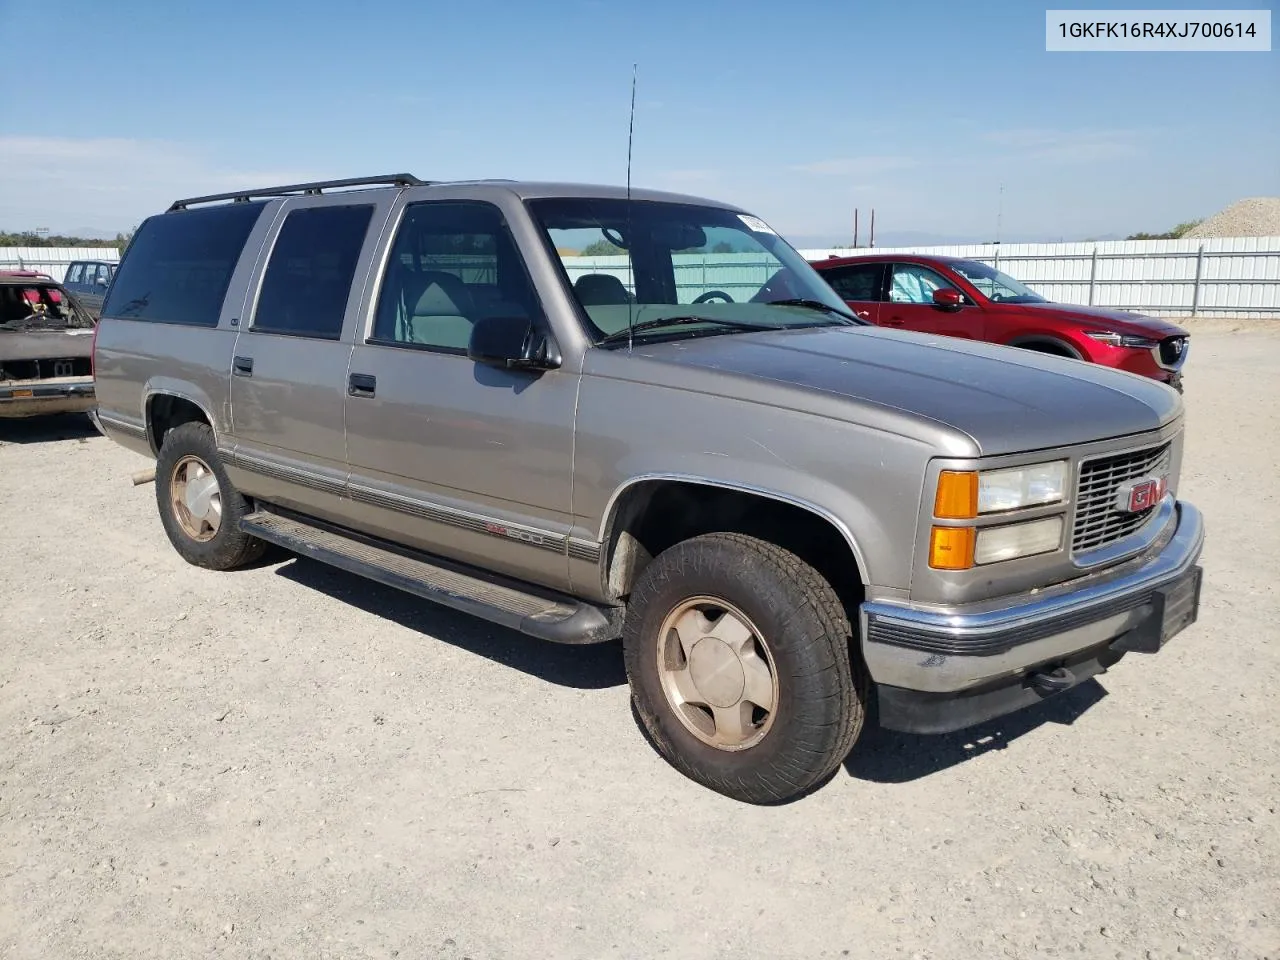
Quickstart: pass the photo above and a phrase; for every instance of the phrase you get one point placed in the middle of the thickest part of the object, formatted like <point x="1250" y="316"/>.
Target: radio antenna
<point x="631" y="127"/>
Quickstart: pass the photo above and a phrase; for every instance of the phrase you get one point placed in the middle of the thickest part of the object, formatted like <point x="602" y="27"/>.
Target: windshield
<point x="995" y="285"/>
<point x="645" y="261"/>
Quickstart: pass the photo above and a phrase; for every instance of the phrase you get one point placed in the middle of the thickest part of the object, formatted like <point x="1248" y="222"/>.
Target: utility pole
<point x="1000" y="212"/>
<point x="855" y="228"/>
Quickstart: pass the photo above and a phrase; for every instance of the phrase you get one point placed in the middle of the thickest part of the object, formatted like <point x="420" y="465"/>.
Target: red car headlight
<point x="1122" y="339"/>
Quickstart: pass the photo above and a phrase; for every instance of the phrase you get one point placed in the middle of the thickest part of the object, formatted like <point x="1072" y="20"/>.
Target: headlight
<point x="962" y="548"/>
<point x="1122" y="339"/>
<point x="965" y="495"/>
<point x="1034" y="486"/>
<point x="965" y="547"/>
<point x="1017" y="540"/>
<point x="970" y="494"/>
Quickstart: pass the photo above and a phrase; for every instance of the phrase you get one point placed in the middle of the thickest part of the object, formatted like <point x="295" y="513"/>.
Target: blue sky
<point x="799" y="112"/>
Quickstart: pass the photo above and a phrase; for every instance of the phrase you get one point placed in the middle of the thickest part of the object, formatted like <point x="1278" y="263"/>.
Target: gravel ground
<point x="291" y="762"/>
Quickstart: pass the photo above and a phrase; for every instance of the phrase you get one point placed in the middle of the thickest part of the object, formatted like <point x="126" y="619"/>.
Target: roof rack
<point x="244" y="196"/>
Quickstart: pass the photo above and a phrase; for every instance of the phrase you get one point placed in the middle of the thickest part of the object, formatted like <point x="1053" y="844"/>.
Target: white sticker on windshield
<point x="756" y="224"/>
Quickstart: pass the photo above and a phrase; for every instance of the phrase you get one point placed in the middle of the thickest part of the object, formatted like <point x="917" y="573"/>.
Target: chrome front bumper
<point x="1134" y="607"/>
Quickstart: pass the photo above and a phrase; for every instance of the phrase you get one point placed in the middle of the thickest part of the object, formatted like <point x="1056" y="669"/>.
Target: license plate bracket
<point x="1174" y="607"/>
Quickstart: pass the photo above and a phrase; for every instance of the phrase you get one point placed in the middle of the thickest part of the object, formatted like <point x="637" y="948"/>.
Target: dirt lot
<point x="290" y="762"/>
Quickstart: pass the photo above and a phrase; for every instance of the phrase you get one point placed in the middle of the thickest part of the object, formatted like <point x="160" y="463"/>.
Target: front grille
<point x="1171" y="350"/>
<point x="1098" y="522"/>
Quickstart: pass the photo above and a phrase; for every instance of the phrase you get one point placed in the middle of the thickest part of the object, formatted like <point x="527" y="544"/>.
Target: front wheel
<point x="740" y="667"/>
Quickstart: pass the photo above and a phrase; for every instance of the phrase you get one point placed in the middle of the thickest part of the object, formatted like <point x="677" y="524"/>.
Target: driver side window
<point x="453" y="263"/>
<point x="913" y="283"/>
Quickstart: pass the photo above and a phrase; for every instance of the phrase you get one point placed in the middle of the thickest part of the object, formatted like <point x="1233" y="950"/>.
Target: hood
<point x="1107" y="318"/>
<point x="1004" y="400"/>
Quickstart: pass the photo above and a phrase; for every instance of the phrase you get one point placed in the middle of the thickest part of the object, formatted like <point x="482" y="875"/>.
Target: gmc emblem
<point x="1140" y="494"/>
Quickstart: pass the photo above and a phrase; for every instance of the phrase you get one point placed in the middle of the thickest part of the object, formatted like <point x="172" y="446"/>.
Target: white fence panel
<point x="1227" y="276"/>
<point x="53" y="260"/>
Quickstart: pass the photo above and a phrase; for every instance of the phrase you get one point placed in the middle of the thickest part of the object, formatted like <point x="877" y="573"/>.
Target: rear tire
<point x="199" y="508"/>
<point x="738" y="654"/>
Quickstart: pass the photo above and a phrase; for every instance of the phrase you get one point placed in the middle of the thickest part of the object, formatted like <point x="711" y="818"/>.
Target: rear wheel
<point x="739" y="662"/>
<point x="199" y="508"/>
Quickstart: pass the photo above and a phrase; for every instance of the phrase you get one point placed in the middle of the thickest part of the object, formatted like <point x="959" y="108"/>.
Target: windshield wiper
<point x="657" y="322"/>
<point x="813" y="305"/>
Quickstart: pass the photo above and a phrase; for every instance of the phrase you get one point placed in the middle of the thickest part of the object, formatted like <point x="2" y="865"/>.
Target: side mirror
<point x="948" y="298"/>
<point x="101" y="281"/>
<point x="512" y="343"/>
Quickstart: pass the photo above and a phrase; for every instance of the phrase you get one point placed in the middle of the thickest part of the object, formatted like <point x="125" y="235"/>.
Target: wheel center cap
<point x="716" y="672"/>
<point x="200" y="493"/>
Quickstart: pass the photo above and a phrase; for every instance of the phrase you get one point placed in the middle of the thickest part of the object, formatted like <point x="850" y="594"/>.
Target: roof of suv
<point x="524" y="189"/>
<point x="878" y="257"/>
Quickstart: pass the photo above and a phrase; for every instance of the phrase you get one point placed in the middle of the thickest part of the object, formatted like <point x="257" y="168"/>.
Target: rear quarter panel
<point x="136" y="360"/>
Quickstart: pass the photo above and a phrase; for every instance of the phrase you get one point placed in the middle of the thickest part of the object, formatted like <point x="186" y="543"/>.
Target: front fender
<point x="866" y="483"/>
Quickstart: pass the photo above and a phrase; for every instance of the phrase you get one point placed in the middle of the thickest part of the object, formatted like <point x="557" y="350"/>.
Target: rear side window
<point x="856" y="282"/>
<point x="308" y="278"/>
<point x="75" y="273"/>
<point x="179" y="265"/>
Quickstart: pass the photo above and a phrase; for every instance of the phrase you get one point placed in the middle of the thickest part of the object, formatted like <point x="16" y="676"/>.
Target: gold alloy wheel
<point x="196" y="498"/>
<point x="717" y="673"/>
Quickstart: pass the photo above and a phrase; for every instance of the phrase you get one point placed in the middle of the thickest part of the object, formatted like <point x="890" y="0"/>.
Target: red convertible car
<point x="965" y="298"/>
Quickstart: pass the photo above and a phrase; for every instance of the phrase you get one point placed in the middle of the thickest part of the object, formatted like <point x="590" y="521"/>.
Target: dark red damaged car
<point x="956" y="297"/>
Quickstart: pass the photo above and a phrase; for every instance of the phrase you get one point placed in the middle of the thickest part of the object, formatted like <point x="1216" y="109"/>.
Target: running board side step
<point x="532" y="611"/>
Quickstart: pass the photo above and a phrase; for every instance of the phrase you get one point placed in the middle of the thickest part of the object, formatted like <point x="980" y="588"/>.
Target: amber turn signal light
<point x="951" y="548"/>
<point x="957" y="497"/>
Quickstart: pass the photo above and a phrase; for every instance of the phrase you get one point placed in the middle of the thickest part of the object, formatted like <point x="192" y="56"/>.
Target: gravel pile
<point x="1252" y="217"/>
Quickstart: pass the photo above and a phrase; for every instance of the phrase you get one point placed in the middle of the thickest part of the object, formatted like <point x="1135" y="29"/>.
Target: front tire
<point x="199" y="508"/>
<point x="738" y="655"/>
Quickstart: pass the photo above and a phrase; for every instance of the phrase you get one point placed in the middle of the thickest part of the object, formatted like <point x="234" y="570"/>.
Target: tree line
<point x="29" y="238"/>
<point x="1176" y="233"/>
